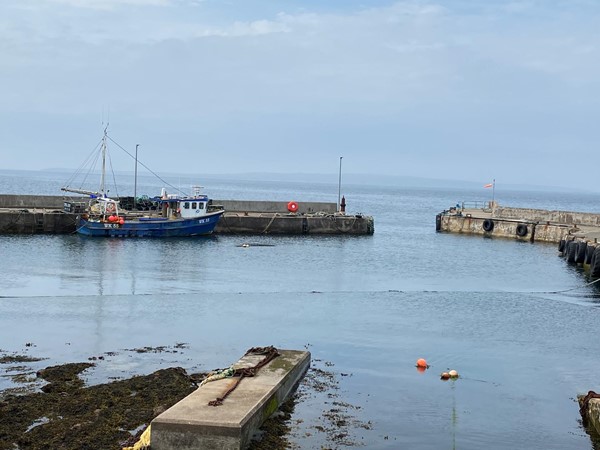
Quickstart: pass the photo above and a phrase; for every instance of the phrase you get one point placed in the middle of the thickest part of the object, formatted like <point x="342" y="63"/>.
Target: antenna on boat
<point x="135" y="178"/>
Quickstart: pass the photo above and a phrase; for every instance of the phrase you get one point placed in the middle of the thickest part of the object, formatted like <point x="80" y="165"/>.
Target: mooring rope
<point x="239" y="373"/>
<point x="567" y="290"/>
<point x="372" y="291"/>
<point x="269" y="225"/>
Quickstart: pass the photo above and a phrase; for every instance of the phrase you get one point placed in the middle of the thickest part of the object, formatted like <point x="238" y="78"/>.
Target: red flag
<point x="489" y="185"/>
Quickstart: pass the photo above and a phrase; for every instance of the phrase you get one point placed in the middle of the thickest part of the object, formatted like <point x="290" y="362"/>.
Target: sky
<point x="457" y="89"/>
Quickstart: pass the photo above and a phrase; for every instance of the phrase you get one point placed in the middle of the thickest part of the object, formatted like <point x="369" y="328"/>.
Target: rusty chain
<point x="270" y="353"/>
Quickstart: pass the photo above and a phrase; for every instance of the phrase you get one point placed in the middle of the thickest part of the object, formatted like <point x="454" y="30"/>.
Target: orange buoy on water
<point x="445" y="376"/>
<point x="292" y="206"/>
<point x="422" y="363"/>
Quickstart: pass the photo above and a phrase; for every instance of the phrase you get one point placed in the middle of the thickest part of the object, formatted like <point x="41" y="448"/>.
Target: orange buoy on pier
<point x="292" y="206"/>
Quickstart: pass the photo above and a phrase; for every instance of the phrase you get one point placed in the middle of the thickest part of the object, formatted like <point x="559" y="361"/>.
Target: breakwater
<point x="582" y="249"/>
<point x="32" y="214"/>
<point x="577" y="234"/>
<point x="532" y="225"/>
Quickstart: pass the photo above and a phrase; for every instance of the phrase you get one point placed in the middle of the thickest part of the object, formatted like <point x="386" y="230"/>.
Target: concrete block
<point x="275" y="206"/>
<point x="593" y="413"/>
<point x="193" y="424"/>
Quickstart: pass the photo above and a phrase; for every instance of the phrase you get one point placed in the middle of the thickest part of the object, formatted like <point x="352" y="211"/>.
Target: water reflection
<point x="91" y="266"/>
<point x="594" y="436"/>
<point x="454" y="415"/>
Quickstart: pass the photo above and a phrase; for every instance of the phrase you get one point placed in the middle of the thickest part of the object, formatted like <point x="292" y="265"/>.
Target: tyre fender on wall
<point x="589" y="253"/>
<point x="522" y="230"/>
<point x="570" y="253"/>
<point x="580" y="251"/>
<point x="488" y="225"/>
<point x="595" y="264"/>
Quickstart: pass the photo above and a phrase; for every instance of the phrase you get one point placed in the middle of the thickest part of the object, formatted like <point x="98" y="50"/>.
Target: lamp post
<point x="339" y="185"/>
<point x="135" y="179"/>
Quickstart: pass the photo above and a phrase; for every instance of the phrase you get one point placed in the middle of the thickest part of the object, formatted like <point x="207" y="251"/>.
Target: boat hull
<point x="198" y="226"/>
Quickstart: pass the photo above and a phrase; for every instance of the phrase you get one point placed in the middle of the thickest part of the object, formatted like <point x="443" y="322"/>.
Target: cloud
<point x="415" y="46"/>
<point x="406" y="49"/>
<point x="408" y="77"/>
<point x="236" y="29"/>
<point x="111" y="4"/>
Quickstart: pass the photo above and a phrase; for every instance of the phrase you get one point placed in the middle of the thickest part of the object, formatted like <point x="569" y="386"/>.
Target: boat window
<point x="186" y="205"/>
<point x="193" y="205"/>
<point x="201" y="205"/>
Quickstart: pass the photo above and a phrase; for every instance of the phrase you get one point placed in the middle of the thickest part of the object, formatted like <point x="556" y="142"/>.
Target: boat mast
<point x="102" y="176"/>
<point x="100" y="192"/>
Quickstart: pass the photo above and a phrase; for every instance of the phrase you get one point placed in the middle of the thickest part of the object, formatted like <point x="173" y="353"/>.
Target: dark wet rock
<point x="70" y="416"/>
<point x="11" y="359"/>
<point x="63" y="378"/>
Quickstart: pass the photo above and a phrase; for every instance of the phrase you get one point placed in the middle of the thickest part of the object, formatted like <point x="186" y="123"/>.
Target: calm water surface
<point x="366" y="307"/>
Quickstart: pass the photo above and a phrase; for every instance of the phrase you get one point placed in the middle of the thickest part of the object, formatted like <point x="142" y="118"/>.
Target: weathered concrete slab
<point x="552" y="216"/>
<point x="505" y="228"/>
<point x="193" y="424"/>
<point x="592" y="412"/>
<point x="36" y="222"/>
<point x="275" y="206"/>
<point x="293" y="224"/>
<point x="56" y="202"/>
<point x="31" y="201"/>
<point x="519" y="223"/>
<point x="58" y="222"/>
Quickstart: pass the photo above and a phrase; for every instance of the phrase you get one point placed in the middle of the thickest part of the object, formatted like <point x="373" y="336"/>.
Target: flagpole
<point x="493" y="191"/>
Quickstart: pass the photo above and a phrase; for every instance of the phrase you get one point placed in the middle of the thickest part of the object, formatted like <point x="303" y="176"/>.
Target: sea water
<point x="518" y="324"/>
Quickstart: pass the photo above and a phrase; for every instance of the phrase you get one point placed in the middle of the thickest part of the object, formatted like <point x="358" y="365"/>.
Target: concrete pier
<point x="37" y="221"/>
<point x="193" y="424"/>
<point x="27" y="214"/>
<point x="288" y="223"/>
<point x="32" y="201"/>
<point x="517" y="223"/>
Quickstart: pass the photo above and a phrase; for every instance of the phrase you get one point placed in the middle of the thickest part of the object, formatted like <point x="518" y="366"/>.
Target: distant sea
<point x="518" y="324"/>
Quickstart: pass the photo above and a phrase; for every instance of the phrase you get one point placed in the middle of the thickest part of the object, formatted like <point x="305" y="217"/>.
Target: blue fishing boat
<point x="171" y="215"/>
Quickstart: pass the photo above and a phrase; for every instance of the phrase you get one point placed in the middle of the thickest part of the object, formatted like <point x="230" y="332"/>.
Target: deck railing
<point x="484" y="205"/>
